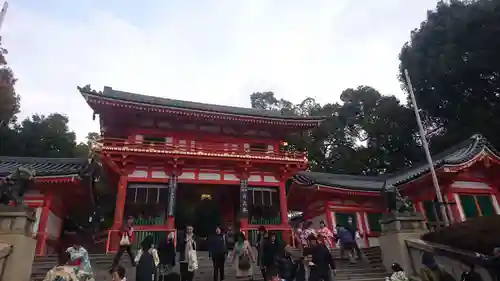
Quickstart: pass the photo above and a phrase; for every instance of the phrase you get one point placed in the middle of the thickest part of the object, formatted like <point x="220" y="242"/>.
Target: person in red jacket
<point x="126" y="239"/>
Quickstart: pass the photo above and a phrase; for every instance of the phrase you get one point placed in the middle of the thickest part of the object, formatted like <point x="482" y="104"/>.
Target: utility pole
<point x="425" y="145"/>
<point x="3" y="13"/>
<point x="2" y="18"/>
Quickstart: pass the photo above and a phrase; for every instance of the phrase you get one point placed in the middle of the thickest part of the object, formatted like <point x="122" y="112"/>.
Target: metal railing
<point x="197" y="148"/>
<point x="158" y="234"/>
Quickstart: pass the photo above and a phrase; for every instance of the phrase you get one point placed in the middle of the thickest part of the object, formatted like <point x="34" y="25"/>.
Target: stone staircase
<point x="370" y="269"/>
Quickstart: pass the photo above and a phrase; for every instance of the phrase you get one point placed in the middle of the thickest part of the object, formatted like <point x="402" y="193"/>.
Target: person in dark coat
<point x="147" y="260"/>
<point x="166" y="253"/>
<point x="287" y="268"/>
<point x="217" y="251"/>
<point x="321" y="262"/>
<point x="261" y="241"/>
<point x="351" y="227"/>
<point x="272" y="251"/>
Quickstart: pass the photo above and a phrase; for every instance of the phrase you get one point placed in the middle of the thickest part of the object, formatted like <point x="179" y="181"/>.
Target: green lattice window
<point x="477" y="205"/>
<point x="431" y="209"/>
<point x="469" y="206"/>
<point x="486" y="205"/>
<point x="374" y="222"/>
<point x="343" y="218"/>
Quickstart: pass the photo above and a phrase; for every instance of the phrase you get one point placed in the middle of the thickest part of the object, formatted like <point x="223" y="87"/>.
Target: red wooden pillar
<point x="121" y="195"/>
<point x="42" y="225"/>
<point x="328" y="215"/>
<point x="364" y="227"/>
<point x="283" y="203"/>
<point x="452" y="208"/>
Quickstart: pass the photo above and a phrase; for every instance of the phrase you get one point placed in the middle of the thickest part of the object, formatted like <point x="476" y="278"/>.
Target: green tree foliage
<point x="366" y="133"/>
<point x="9" y="100"/>
<point x="83" y="148"/>
<point x="41" y="136"/>
<point x="454" y="64"/>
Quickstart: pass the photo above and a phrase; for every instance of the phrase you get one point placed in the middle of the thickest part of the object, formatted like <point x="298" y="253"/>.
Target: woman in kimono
<point x="79" y="257"/>
<point x="243" y="258"/>
<point x="327" y="235"/>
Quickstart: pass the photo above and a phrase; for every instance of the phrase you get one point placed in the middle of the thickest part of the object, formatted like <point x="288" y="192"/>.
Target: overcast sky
<point x="200" y="50"/>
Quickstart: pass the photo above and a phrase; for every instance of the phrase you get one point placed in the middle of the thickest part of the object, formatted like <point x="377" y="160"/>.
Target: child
<point x="118" y="273"/>
<point x="398" y="273"/>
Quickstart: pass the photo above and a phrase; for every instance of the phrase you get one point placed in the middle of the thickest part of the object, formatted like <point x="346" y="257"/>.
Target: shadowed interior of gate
<point x="205" y="207"/>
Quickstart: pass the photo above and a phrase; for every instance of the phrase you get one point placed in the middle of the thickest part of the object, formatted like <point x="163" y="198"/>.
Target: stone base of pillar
<point x="16" y="232"/>
<point x="396" y="228"/>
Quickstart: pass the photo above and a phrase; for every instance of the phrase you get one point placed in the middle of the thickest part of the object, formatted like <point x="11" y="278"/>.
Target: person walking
<point x="321" y="264"/>
<point x="242" y="257"/>
<point x="187" y="255"/>
<point x="127" y="236"/>
<point x="217" y="251"/>
<point x="261" y="242"/>
<point x="166" y="253"/>
<point x="347" y="242"/>
<point x="146" y="260"/>
<point x="272" y="251"/>
<point x="351" y="227"/>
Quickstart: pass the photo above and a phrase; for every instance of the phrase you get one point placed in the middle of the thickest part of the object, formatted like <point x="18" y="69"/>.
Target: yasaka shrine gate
<point x="174" y="163"/>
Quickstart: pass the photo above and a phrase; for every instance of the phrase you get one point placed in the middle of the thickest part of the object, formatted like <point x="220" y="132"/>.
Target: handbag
<point x="192" y="261"/>
<point x="124" y="241"/>
<point x="244" y="262"/>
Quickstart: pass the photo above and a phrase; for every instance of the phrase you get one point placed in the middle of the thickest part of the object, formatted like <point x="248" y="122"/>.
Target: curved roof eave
<point x="144" y="100"/>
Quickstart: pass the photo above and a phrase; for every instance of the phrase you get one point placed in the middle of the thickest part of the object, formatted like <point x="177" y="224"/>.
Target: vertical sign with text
<point x="172" y="189"/>
<point x="244" y="198"/>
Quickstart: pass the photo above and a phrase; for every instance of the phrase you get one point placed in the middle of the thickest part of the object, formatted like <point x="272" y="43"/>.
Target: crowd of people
<point x="268" y="254"/>
<point x="345" y="236"/>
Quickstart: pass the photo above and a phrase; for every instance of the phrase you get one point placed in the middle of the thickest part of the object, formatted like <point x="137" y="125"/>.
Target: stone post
<point x="396" y="228"/>
<point x="15" y="230"/>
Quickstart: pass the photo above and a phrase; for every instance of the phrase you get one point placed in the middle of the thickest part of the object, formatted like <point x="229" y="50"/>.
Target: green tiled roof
<point x="456" y="155"/>
<point x="109" y="93"/>
<point x="43" y="166"/>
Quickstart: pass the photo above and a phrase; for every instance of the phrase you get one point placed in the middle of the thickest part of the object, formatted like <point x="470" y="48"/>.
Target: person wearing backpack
<point x="146" y="260"/>
<point x="62" y="271"/>
<point x="126" y="239"/>
<point x="242" y="257"/>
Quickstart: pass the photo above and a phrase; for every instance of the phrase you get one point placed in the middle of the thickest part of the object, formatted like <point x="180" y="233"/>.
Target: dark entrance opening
<point x="204" y="207"/>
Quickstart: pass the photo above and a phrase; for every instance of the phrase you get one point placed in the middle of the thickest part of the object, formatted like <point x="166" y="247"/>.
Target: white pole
<point x="3" y="13"/>
<point x="435" y="182"/>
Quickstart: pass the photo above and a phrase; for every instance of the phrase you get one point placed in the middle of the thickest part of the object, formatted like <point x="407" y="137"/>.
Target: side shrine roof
<point x="138" y="99"/>
<point x="457" y="155"/>
<point x="43" y="166"/>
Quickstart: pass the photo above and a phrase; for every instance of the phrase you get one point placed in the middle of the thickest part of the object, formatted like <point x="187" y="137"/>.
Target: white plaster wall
<point x="316" y="221"/>
<point x="38" y="214"/>
<point x="53" y="225"/>
<point x="495" y="203"/>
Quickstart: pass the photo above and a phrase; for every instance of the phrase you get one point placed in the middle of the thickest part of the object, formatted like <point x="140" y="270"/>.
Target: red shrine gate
<point x="177" y="163"/>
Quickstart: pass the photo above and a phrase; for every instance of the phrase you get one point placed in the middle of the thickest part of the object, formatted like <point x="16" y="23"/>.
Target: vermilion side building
<point x="468" y="174"/>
